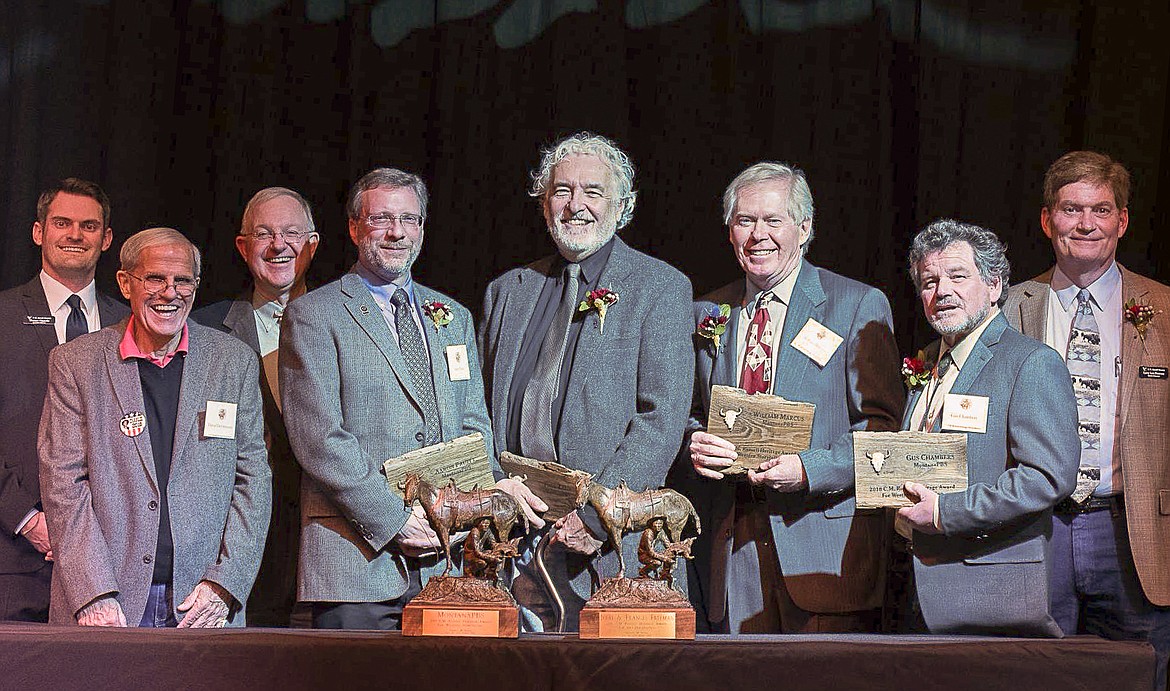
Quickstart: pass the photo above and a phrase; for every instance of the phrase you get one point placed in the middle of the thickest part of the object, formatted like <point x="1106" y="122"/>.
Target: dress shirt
<point x="382" y="291"/>
<point x="777" y="310"/>
<point x="1106" y="306"/>
<point x="56" y="294"/>
<point x="936" y="390"/>
<point x="534" y="333"/>
<point x="128" y="348"/>
<point x="267" y="325"/>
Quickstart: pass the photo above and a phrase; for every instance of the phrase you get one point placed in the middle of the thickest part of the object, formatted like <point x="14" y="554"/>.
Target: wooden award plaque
<point x="761" y="426"/>
<point x="637" y="608"/>
<point x="557" y="485"/>
<point x="464" y="459"/>
<point x="461" y="606"/>
<point x="884" y="461"/>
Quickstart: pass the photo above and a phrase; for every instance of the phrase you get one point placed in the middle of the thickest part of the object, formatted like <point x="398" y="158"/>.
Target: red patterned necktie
<point x="757" y="358"/>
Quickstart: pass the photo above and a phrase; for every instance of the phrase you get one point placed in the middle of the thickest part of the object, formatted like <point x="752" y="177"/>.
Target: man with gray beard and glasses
<point x="980" y="555"/>
<point x="586" y="358"/>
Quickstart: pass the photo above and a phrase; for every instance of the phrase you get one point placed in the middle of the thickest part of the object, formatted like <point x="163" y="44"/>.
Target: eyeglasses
<point x="184" y="287"/>
<point x="381" y="221"/>
<point x="290" y="235"/>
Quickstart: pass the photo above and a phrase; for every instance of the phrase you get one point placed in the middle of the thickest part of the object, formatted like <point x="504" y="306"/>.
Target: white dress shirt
<point x="56" y="295"/>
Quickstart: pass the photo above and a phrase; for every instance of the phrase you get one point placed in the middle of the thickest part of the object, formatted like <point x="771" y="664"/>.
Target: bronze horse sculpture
<point x="449" y="509"/>
<point x="622" y="510"/>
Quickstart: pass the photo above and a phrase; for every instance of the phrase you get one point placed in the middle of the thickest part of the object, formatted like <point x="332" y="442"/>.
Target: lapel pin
<point x="363" y="309"/>
<point x="132" y="424"/>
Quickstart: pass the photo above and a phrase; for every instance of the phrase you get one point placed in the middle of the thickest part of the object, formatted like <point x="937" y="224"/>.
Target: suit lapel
<point x="192" y="392"/>
<point x="931" y="356"/>
<point x="807" y="302"/>
<point x="726" y="357"/>
<point x="36" y="305"/>
<point x="361" y="306"/>
<point x="519" y="304"/>
<point x="128" y="390"/>
<point x="979" y="356"/>
<point x="1034" y="306"/>
<point x="613" y="277"/>
<point x="240" y="321"/>
<point x="1133" y="349"/>
<point x="437" y="341"/>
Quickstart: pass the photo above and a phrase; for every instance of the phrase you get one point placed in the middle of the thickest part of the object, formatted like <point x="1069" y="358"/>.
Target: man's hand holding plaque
<point x="758" y="435"/>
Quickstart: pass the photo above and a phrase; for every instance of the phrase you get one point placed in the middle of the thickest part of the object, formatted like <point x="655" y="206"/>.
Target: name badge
<point x="965" y="413"/>
<point x="817" y="341"/>
<point x="37" y="320"/>
<point x="220" y="420"/>
<point x="457" y="366"/>
<point x="1152" y="372"/>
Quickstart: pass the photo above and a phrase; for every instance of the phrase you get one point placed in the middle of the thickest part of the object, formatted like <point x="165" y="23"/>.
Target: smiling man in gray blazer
<point x="153" y="469"/>
<point x="604" y="392"/>
<point x="784" y="550"/>
<point x="981" y="555"/>
<point x="374" y="365"/>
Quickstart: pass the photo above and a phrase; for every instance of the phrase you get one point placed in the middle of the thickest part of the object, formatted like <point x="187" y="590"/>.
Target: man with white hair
<point x="586" y="356"/>
<point x="784" y="550"/>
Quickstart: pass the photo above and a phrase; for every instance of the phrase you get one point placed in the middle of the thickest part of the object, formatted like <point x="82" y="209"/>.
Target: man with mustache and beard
<point x="606" y="392"/>
<point x="374" y="365"/>
<point x="784" y="550"/>
<point x="981" y="555"/>
<point x="277" y="240"/>
<point x="59" y="304"/>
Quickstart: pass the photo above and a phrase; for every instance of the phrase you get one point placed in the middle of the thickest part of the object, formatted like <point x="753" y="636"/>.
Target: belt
<point x="1113" y="503"/>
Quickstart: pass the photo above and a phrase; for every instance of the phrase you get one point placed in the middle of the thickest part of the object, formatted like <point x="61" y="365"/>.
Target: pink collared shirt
<point x="129" y="349"/>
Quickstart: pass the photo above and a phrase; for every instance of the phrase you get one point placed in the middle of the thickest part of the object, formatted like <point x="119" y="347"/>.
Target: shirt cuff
<point x="24" y="521"/>
<point x="937" y="520"/>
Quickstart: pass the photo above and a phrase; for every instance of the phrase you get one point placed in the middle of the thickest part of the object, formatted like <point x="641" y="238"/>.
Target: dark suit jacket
<point x="24" y="357"/>
<point x="275" y="591"/>
<point x="987" y="573"/>
<point x="1143" y="419"/>
<point x="832" y="558"/>
<point x="628" y="389"/>
<point x="101" y="489"/>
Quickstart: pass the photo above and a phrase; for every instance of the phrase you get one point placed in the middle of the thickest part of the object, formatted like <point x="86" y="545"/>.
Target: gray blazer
<point x="24" y="371"/>
<point x="988" y="573"/>
<point x="628" y="388"/>
<point x="100" y="490"/>
<point x="831" y="557"/>
<point x="349" y="405"/>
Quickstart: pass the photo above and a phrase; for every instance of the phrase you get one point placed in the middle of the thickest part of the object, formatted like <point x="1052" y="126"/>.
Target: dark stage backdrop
<point x="901" y="111"/>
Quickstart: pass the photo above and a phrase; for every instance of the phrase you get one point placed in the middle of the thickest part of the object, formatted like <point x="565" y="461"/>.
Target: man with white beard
<point x="587" y="357"/>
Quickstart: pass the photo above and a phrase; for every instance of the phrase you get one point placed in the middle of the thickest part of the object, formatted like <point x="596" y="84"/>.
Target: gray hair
<point x="137" y="243"/>
<point x="990" y="253"/>
<point x="389" y="178"/>
<point x="268" y="194"/>
<point x="800" y="200"/>
<point x="605" y="149"/>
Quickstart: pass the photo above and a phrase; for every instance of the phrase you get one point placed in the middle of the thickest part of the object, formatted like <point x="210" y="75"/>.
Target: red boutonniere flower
<point x="916" y="371"/>
<point x="1140" y="315"/>
<point x="714" y="324"/>
<point x="599" y="300"/>
<point x="440" y="314"/>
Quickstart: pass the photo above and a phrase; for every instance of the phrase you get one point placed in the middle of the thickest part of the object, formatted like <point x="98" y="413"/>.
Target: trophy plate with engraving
<point x="885" y="461"/>
<point x="761" y="426"/>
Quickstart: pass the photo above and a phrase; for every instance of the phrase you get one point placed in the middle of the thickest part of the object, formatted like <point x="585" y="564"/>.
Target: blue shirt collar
<point x="381" y="290"/>
<point x="1108" y="283"/>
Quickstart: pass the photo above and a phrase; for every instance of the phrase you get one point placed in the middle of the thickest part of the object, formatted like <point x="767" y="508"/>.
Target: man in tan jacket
<point x="1111" y="539"/>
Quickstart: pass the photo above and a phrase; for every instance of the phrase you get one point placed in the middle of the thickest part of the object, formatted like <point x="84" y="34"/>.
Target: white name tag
<point x="457" y="365"/>
<point x="817" y="341"/>
<point x="220" y="420"/>
<point x="965" y="413"/>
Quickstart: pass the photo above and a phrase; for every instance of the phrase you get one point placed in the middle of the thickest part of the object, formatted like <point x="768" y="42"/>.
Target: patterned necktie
<point x="76" y="324"/>
<point x="757" y="358"/>
<point x="415" y="354"/>
<point x="1084" y="364"/>
<point x="930" y="414"/>
<point x="536" y="422"/>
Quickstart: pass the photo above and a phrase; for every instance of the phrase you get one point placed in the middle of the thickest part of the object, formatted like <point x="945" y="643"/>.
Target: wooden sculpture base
<point x="461" y="606"/>
<point x="637" y="608"/>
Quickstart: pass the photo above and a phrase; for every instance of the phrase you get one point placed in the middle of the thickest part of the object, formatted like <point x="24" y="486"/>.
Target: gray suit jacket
<point x="101" y="491"/>
<point x="24" y="368"/>
<point x="988" y="572"/>
<point x="349" y="405"/>
<point x="626" y="403"/>
<point x="1143" y="418"/>
<point x="832" y="558"/>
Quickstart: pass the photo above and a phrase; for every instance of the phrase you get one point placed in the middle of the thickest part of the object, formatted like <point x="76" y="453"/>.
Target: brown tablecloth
<point x="40" y="656"/>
